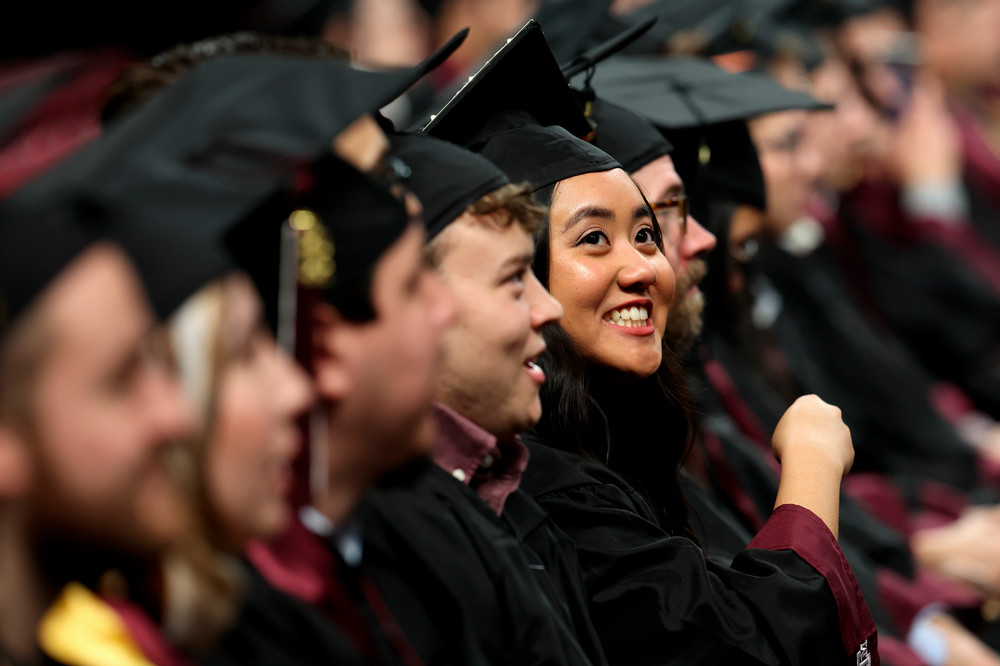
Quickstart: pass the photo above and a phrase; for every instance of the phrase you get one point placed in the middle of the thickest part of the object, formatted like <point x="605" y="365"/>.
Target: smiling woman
<point x="247" y="394"/>
<point x="607" y="269"/>
<point x="615" y="427"/>
<point x="601" y="253"/>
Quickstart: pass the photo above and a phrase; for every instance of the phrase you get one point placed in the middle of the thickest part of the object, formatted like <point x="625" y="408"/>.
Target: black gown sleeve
<point x="789" y="598"/>
<point x="552" y="557"/>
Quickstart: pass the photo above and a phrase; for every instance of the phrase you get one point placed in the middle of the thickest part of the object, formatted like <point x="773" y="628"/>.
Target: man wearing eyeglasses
<point x="685" y="242"/>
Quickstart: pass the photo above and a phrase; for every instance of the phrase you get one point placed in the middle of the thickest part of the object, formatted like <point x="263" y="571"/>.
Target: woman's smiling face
<point x="609" y="273"/>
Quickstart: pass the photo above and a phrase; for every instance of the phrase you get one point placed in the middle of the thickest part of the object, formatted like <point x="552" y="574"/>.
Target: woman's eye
<point x="645" y="235"/>
<point x="594" y="238"/>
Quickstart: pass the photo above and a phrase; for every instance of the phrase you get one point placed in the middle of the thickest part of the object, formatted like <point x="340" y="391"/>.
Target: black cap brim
<point x="172" y="177"/>
<point x="446" y="177"/>
<point x="676" y="92"/>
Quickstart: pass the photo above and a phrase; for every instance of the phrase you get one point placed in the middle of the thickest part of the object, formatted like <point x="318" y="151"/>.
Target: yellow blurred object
<point x="80" y="629"/>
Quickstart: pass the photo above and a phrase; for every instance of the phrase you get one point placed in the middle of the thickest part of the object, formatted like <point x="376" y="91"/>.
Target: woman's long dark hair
<point x="642" y="429"/>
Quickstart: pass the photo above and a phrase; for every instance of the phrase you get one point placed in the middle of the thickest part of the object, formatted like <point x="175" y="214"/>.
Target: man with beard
<point x="729" y="482"/>
<point x="88" y="415"/>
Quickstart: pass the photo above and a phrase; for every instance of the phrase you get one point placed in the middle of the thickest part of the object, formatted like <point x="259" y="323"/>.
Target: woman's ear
<point x="330" y="366"/>
<point x="16" y="469"/>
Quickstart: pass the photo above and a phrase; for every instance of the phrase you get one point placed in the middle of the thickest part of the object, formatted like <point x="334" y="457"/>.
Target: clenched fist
<point x="813" y="430"/>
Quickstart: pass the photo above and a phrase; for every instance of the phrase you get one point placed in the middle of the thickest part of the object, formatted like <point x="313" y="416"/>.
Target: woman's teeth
<point x="633" y="317"/>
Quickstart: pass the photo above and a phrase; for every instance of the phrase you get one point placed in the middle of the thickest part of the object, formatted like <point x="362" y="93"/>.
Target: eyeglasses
<point x="674" y="211"/>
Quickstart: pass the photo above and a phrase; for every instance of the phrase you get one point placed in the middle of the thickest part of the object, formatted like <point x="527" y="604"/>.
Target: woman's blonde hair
<point x="202" y="582"/>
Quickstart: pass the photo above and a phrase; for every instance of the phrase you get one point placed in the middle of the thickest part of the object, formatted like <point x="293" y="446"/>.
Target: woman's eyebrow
<point x="587" y="211"/>
<point x="642" y="211"/>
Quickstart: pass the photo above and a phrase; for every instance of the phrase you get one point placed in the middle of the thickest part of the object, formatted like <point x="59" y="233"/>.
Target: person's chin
<point x="532" y="413"/>
<point x="640" y="366"/>
<point x="641" y="358"/>
<point x="525" y="419"/>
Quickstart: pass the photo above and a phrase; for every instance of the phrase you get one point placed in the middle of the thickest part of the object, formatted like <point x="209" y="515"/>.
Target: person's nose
<point x="545" y="309"/>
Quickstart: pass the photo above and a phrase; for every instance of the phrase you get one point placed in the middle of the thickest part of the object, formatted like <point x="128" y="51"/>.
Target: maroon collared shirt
<point x="491" y="467"/>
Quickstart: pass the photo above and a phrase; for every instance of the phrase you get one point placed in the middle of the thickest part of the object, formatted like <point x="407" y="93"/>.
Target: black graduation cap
<point x="34" y="248"/>
<point x="732" y="165"/>
<point x="519" y="113"/>
<point x="33" y="251"/>
<point x="171" y="178"/>
<point x="446" y="178"/>
<point x="345" y="220"/>
<point x="677" y="91"/>
<point x="626" y="136"/>
<point x="522" y="76"/>
<point x="539" y="155"/>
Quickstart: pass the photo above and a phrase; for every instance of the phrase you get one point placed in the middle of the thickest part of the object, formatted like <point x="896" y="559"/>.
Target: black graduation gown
<point x="552" y="556"/>
<point x="275" y="629"/>
<point x="655" y="599"/>
<point x="834" y="351"/>
<point x="459" y="583"/>
<point x="948" y="315"/>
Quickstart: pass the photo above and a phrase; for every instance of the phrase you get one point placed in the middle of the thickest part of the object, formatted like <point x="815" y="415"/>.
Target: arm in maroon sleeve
<point x="795" y="528"/>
